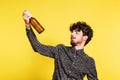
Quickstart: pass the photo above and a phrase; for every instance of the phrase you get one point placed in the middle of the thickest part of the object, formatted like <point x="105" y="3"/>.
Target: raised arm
<point x="36" y="45"/>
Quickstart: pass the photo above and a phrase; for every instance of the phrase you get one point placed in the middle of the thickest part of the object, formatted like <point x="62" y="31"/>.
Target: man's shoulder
<point x="91" y="61"/>
<point x="89" y="58"/>
<point x="62" y="46"/>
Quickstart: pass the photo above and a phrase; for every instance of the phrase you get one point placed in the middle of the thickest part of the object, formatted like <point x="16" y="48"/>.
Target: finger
<point x="25" y="12"/>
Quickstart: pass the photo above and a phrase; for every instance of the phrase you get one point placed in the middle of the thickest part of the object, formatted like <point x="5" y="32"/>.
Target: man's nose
<point x="73" y="33"/>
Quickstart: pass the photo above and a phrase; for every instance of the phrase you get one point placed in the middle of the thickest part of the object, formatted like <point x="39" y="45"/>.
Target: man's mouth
<point x="73" y="37"/>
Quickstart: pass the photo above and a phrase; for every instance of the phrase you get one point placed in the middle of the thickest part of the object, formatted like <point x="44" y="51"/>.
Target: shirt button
<point x="74" y="56"/>
<point x="68" y="78"/>
<point x="69" y="71"/>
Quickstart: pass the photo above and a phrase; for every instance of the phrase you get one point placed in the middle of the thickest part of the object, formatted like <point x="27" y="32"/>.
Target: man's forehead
<point x="77" y="29"/>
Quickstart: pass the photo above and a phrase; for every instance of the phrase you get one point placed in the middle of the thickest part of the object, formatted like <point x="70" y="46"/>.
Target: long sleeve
<point x="38" y="47"/>
<point x="92" y="75"/>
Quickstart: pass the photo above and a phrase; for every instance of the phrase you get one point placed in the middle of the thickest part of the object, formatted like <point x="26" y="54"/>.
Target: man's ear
<point x="85" y="38"/>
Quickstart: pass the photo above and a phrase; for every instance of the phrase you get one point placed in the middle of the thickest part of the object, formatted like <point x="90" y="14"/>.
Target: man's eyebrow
<point x="77" y="29"/>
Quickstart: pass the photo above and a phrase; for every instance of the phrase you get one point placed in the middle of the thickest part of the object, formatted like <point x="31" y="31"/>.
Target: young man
<point x="71" y="63"/>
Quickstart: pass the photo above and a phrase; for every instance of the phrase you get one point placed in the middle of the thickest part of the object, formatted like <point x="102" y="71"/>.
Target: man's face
<point x="76" y="37"/>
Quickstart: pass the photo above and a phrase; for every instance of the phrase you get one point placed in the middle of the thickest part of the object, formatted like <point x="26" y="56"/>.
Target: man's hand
<point x="26" y="17"/>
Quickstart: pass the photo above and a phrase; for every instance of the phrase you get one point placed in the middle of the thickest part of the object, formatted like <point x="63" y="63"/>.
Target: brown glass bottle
<point x="37" y="26"/>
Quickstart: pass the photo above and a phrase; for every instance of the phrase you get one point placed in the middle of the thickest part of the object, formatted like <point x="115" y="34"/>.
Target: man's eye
<point x="76" y="32"/>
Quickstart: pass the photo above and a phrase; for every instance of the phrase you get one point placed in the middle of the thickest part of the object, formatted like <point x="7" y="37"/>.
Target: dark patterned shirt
<point x="70" y="64"/>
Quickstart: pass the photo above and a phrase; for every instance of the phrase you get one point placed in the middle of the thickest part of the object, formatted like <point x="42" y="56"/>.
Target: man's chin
<point x="72" y="43"/>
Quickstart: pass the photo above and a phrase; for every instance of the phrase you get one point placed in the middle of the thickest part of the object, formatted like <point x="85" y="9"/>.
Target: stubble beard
<point x="72" y="43"/>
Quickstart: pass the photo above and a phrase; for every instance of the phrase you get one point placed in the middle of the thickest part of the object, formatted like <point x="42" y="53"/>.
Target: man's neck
<point x="78" y="47"/>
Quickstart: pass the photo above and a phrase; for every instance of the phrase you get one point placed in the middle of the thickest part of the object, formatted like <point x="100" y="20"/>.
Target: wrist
<point x="28" y="26"/>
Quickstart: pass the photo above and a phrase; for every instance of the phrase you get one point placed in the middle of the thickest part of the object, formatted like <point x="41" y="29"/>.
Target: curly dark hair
<point x="86" y="29"/>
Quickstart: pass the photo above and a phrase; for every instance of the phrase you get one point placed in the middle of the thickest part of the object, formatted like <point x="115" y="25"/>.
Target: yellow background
<point x="19" y="62"/>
